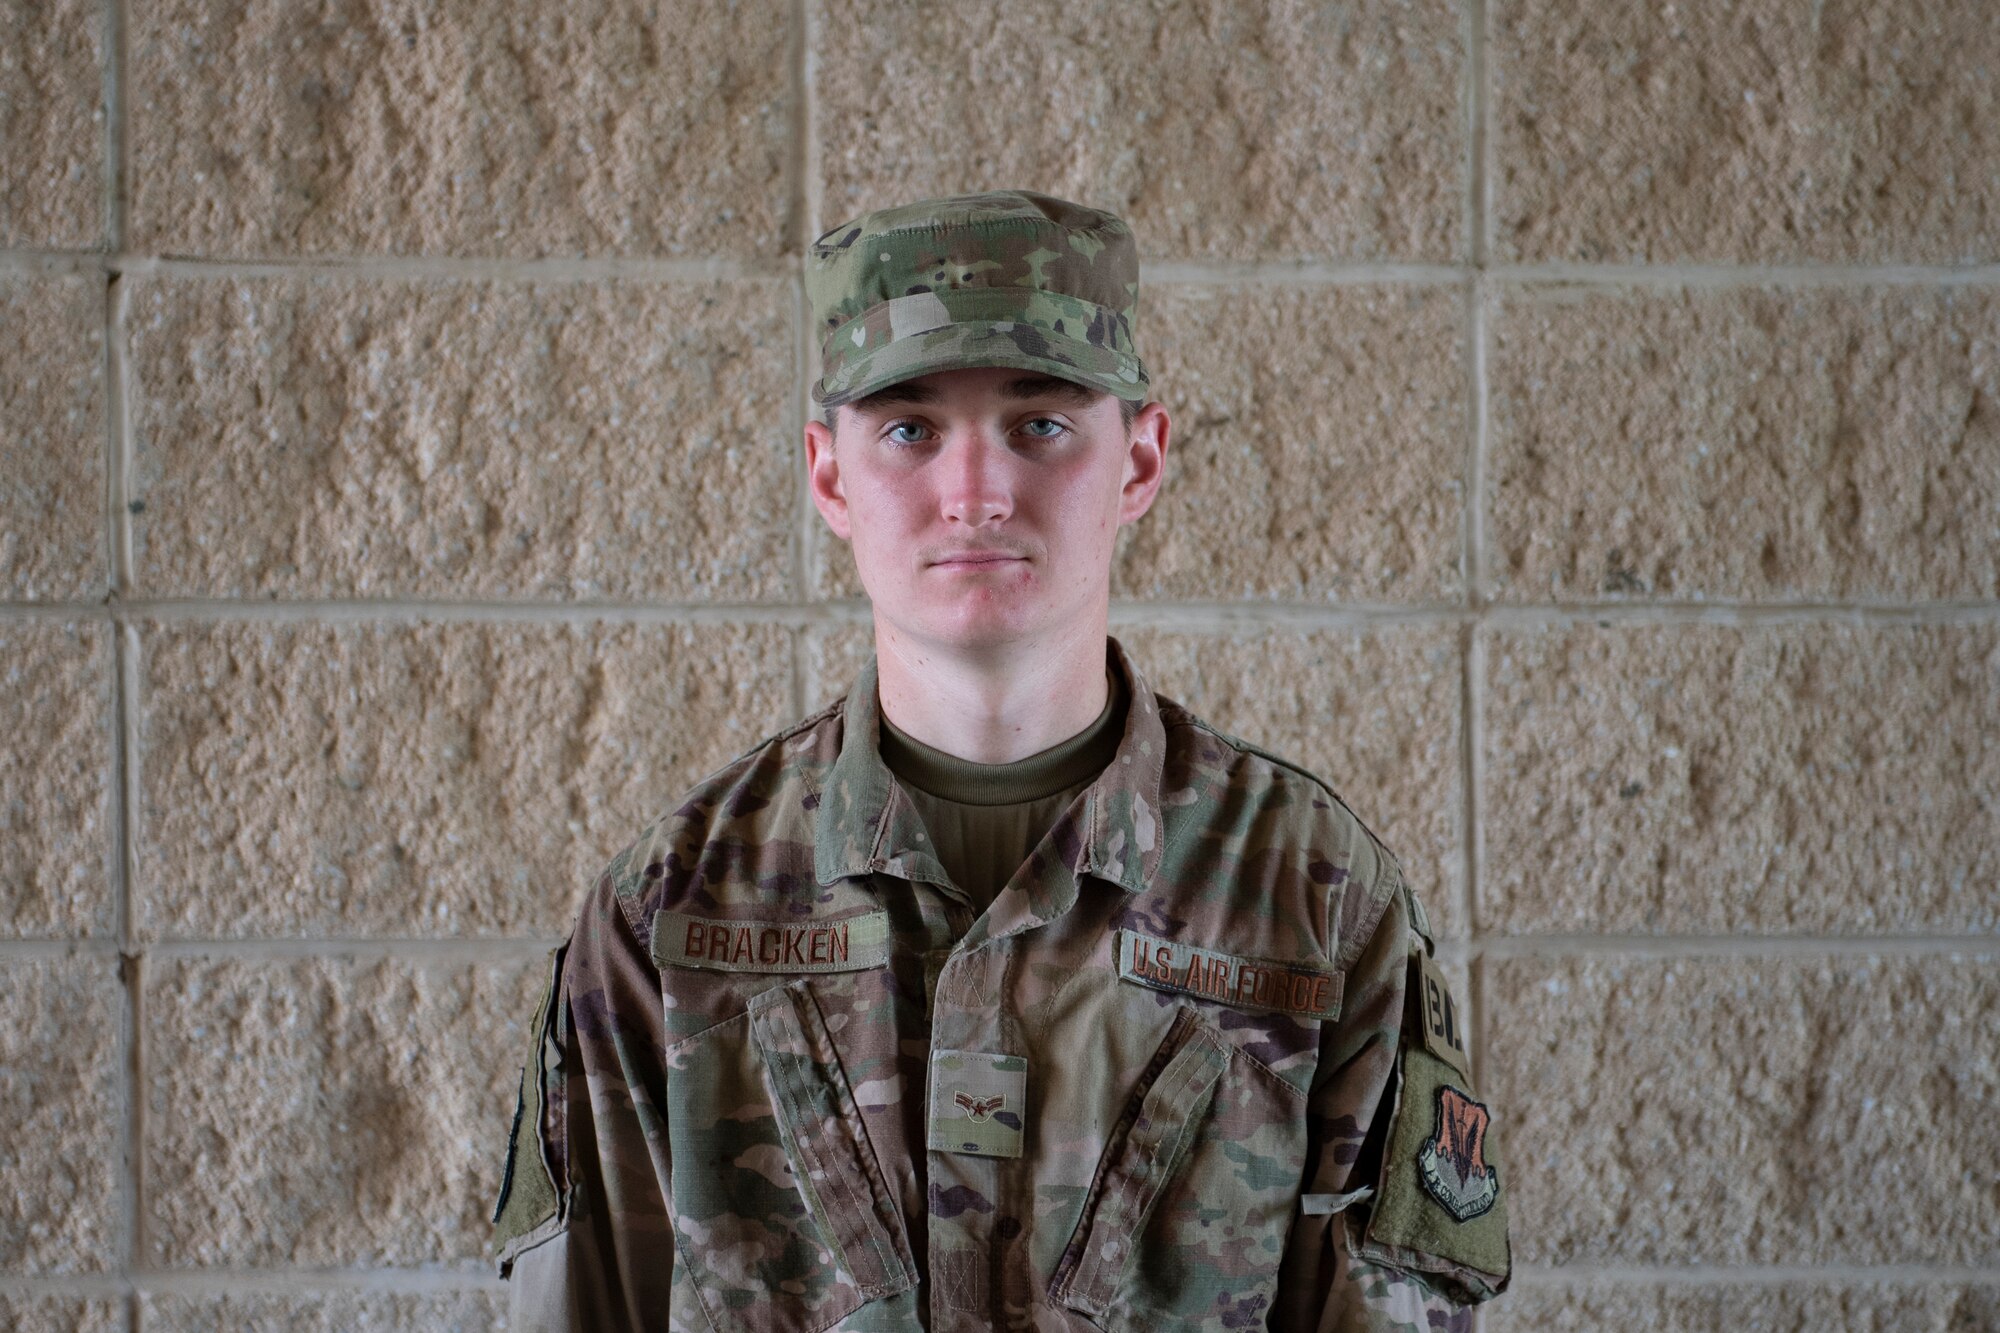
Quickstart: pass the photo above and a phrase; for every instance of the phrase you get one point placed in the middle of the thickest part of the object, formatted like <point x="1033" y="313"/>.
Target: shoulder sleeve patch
<point x="1440" y="1206"/>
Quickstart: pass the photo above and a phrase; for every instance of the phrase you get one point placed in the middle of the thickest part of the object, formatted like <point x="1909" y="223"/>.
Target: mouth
<point x="974" y="560"/>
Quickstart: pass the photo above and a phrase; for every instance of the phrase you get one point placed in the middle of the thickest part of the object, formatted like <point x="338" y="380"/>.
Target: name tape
<point x="1248" y="983"/>
<point x="846" y="945"/>
<point x="1443" y="1023"/>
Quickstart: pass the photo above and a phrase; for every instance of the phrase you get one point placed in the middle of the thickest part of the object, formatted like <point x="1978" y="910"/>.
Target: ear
<point x="1145" y="461"/>
<point x="823" y="477"/>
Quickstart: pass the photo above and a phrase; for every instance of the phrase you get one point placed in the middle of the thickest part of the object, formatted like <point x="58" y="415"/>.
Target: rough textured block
<point x="1913" y="1307"/>
<point x="57" y="855"/>
<point x="1712" y="780"/>
<point x="1748" y="1110"/>
<point x="831" y="656"/>
<point x="52" y="123"/>
<point x="325" y="1311"/>
<point x="342" y="437"/>
<point x="1375" y="715"/>
<point x="1850" y="130"/>
<point x="1317" y="450"/>
<point x="1809" y="443"/>
<point x="1318" y="447"/>
<point x="52" y="441"/>
<point x="830" y="563"/>
<point x="394" y="779"/>
<point x="62" y="1314"/>
<point x="60" y="1099"/>
<point x="1213" y="127"/>
<point x="610" y="127"/>
<point x="329" y="1112"/>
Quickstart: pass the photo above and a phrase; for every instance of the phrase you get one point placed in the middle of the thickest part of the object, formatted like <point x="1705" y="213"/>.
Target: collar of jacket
<point x="865" y="823"/>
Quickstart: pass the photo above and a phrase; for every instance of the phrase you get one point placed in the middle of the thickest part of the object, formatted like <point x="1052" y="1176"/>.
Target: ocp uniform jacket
<point x="1191" y="1069"/>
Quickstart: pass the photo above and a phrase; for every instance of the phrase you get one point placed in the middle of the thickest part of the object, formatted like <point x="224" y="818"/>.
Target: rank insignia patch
<point x="977" y="1099"/>
<point x="1452" y="1161"/>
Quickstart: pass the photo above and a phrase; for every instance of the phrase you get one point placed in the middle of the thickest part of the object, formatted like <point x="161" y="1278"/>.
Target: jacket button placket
<point x="970" y="1194"/>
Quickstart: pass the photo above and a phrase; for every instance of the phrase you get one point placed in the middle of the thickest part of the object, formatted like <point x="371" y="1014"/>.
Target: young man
<point x="1003" y="992"/>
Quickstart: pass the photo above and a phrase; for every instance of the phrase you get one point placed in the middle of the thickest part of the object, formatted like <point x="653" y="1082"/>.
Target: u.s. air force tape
<point x="1248" y="983"/>
<point x="846" y="944"/>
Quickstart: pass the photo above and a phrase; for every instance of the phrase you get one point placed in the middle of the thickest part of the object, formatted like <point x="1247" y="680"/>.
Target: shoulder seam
<point x="805" y="723"/>
<point x="656" y="827"/>
<point x="1351" y="949"/>
<point x="1389" y="874"/>
<point x="1252" y="747"/>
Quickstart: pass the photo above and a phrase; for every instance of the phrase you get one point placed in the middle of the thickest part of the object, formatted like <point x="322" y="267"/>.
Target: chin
<point x="971" y="625"/>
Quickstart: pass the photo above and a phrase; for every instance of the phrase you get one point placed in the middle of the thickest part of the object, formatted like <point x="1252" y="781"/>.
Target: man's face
<point x="982" y="506"/>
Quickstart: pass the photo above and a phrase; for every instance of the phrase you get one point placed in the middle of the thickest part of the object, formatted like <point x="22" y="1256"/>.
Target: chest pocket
<point x="1186" y="1217"/>
<point x="781" y="1213"/>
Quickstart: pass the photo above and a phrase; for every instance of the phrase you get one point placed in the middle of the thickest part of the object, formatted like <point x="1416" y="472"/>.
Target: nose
<point x="976" y="487"/>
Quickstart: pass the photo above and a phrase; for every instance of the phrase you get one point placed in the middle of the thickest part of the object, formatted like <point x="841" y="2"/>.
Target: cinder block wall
<point x="1586" y="454"/>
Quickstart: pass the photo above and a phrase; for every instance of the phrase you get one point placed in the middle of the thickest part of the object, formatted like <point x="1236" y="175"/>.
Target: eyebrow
<point x="1022" y="387"/>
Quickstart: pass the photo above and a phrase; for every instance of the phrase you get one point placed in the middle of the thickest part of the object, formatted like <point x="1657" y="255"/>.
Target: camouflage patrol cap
<point x="1005" y="278"/>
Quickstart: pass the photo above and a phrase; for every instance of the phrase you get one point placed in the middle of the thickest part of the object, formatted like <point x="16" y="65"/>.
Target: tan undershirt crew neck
<point x="984" y="819"/>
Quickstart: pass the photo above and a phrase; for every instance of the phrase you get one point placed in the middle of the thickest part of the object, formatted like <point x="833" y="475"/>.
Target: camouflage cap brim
<point x="970" y="327"/>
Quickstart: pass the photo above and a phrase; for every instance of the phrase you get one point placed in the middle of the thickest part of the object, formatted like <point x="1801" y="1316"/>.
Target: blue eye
<point x="901" y="425"/>
<point x="1058" y="427"/>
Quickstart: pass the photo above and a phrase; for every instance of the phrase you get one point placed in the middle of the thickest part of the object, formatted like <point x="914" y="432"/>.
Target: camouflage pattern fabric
<point x="776" y="1144"/>
<point x="1006" y="278"/>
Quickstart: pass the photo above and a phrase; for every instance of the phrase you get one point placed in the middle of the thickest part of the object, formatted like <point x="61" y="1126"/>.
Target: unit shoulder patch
<point x="1452" y="1161"/>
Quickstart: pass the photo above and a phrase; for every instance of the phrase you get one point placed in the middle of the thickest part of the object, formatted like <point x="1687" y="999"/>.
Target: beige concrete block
<point x="1793" y="1307"/>
<point x="1856" y="130"/>
<point x="57" y="856"/>
<point x="1763" y="443"/>
<point x="52" y="123"/>
<point x="610" y="128"/>
<point x="346" y="437"/>
<point x="369" y="779"/>
<point x="1318" y="446"/>
<point x="1212" y="127"/>
<point x="1711" y="779"/>
<point x="62" y="1100"/>
<point x="832" y="656"/>
<point x="62" y="1314"/>
<point x="1375" y="715"/>
<point x="52" y="441"/>
<point x="324" y="1311"/>
<point x="329" y="1112"/>
<point x="830" y="562"/>
<point x="1751" y="1110"/>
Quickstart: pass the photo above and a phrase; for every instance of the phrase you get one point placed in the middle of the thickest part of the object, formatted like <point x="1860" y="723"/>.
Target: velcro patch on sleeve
<point x="1440" y="1016"/>
<point x="1442" y="1194"/>
<point x="1247" y="983"/>
<point x="848" y="944"/>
